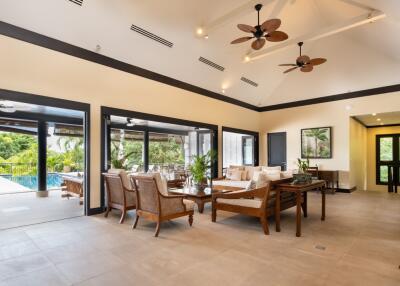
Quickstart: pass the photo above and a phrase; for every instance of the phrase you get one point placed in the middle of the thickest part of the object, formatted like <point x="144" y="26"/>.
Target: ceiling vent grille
<point x="151" y="36"/>
<point x="211" y="64"/>
<point x="248" y="81"/>
<point x="77" y="2"/>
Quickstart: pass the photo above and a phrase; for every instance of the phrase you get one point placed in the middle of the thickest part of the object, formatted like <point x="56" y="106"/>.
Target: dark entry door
<point x="277" y="149"/>
<point x="388" y="161"/>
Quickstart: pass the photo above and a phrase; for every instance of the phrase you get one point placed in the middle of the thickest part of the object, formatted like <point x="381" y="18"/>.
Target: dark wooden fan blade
<point x="276" y="36"/>
<point x="307" y="68"/>
<point x="258" y="44"/>
<point x="289" y="70"/>
<point x="303" y="59"/>
<point x="246" y="28"/>
<point x="317" y="61"/>
<point x="288" y="65"/>
<point x="241" y="40"/>
<point x="271" y="25"/>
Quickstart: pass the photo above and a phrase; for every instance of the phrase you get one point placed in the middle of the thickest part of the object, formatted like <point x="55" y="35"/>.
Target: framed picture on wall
<point x="316" y="143"/>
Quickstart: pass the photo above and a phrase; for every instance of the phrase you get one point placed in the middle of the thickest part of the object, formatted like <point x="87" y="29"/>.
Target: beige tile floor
<point x="26" y="208"/>
<point x="358" y="244"/>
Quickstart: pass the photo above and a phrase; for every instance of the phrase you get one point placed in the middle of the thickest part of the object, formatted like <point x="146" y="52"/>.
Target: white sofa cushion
<point x="250" y="203"/>
<point x="229" y="183"/>
<point x="124" y="177"/>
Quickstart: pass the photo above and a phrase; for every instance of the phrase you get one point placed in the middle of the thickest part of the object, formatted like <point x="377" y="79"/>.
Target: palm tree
<point x="317" y="134"/>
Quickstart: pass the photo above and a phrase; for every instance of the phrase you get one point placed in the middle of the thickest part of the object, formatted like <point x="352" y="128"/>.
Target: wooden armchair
<point x="119" y="194"/>
<point x="155" y="206"/>
<point x="252" y="203"/>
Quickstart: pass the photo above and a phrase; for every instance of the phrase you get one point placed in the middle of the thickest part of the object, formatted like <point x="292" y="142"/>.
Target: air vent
<point x="151" y="36"/>
<point x="246" y="80"/>
<point x="77" y="2"/>
<point x="211" y="64"/>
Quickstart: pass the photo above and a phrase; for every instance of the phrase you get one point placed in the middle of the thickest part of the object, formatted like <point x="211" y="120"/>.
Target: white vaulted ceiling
<point x="364" y="57"/>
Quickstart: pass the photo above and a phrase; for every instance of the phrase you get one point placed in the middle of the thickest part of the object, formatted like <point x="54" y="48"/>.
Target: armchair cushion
<point x="188" y="204"/>
<point x="124" y="177"/>
<point x="250" y="203"/>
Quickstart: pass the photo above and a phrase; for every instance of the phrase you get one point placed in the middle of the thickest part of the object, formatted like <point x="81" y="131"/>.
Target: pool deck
<point x="9" y="187"/>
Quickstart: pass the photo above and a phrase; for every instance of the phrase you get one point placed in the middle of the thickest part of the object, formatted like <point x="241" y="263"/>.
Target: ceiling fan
<point x="265" y="31"/>
<point x="6" y="106"/>
<point x="304" y="62"/>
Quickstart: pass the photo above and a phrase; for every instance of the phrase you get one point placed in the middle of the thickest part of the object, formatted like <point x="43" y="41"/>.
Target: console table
<point x="301" y="200"/>
<point x="330" y="176"/>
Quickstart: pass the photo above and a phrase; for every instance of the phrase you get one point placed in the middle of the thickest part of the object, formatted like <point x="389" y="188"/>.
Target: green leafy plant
<point x="303" y="165"/>
<point x="201" y="164"/>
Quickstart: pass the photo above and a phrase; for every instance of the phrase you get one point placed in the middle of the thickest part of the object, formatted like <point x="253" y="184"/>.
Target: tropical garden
<point x="19" y="154"/>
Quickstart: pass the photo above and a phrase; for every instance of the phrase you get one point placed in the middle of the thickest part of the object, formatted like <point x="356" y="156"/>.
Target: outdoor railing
<point x="17" y="169"/>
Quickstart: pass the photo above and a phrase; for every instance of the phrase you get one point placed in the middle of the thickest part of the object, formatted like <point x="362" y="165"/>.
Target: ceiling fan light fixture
<point x="261" y="32"/>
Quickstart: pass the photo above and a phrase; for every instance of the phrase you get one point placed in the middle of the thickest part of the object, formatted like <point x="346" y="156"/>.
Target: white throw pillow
<point x="273" y="177"/>
<point x="268" y="168"/>
<point x="262" y="180"/>
<point x="236" y="175"/>
<point x="244" y="175"/>
<point x="250" y="171"/>
<point x="287" y="174"/>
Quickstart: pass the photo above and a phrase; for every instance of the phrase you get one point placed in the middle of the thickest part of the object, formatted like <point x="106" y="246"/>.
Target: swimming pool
<point x="54" y="181"/>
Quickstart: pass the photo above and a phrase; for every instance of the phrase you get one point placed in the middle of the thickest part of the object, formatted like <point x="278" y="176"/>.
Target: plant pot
<point x="201" y="185"/>
<point x="302" y="178"/>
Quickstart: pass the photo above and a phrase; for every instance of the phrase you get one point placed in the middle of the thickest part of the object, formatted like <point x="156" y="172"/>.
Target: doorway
<point x="277" y="149"/>
<point x="44" y="159"/>
<point x="388" y="161"/>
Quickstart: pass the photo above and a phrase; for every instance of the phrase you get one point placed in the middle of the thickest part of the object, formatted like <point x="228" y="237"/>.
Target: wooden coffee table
<point x="199" y="196"/>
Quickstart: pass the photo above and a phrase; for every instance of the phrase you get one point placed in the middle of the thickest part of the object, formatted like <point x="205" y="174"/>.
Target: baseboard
<point x="348" y="191"/>
<point x="95" y="211"/>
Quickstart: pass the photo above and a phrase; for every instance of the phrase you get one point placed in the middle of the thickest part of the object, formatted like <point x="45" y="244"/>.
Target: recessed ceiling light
<point x="382" y="123"/>
<point x="206" y="37"/>
<point x="246" y="58"/>
<point x="348" y="107"/>
<point x="378" y="119"/>
<point x="199" y="31"/>
<point x="373" y="114"/>
<point x="223" y="91"/>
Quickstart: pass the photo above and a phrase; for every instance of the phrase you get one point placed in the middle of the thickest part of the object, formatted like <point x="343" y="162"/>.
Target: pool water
<point x="53" y="181"/>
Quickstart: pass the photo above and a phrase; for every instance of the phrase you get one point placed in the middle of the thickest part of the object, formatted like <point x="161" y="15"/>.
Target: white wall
<point x="334" y="114"/>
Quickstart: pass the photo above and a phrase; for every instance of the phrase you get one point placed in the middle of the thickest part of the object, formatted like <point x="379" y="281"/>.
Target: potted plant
<point x="200" y="166"/>
<point x="302" y="176"/>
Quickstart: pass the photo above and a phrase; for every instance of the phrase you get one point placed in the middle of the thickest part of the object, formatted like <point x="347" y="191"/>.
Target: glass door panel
<point x="248" y="150"/>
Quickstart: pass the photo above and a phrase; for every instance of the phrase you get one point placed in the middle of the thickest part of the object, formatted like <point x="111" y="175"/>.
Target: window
<point x="239" y="148"/>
